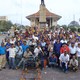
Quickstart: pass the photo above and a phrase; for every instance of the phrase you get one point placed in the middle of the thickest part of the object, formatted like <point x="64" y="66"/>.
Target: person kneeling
<point x="64" y="60"/>
<point x="53" y="60"/>
<point x="73" y="64"/>
<point x="27" y="53"/>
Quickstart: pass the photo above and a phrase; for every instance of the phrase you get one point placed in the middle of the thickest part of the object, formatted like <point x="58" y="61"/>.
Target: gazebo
<point x="43" y="17"/>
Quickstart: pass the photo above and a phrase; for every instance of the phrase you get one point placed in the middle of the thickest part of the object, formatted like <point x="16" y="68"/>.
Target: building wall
<point x="35" y="22"/>
<point x="32" y="22"/>
<point x="3" y="18"/>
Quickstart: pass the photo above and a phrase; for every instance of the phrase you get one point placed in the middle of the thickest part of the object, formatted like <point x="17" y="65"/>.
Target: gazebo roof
<point x="48" y="15"/>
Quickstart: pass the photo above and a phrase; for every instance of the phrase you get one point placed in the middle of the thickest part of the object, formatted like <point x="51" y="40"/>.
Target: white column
<point x="50" y="22"/>
<point x="54" y="23"/>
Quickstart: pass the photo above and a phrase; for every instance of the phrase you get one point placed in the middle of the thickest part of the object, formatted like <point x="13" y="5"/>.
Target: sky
<point x="17" y="10"/>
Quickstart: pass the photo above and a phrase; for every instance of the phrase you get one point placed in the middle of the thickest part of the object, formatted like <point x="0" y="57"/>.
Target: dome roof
<point x="74" y="23"/>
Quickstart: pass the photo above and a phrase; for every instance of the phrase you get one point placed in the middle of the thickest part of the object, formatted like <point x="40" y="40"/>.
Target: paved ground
<point x="47" y="74"/>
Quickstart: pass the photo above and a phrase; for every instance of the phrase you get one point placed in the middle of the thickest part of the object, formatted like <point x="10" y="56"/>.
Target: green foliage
<point x="73" y="29"/>
<point x="5" y="25"/>
<point x="78" y="29"/>
<point x="18" y="26"/>
<point x="65" y="27"/>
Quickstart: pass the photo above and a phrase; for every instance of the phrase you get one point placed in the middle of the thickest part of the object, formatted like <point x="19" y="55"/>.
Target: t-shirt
<point x="12" y="52"/>
<point x="63" y="41"/>
<point x="35" y="37"/>
<point x="12" y="41"/>
<point x="2" y="50"/>
<point x="64" y="58"/>
<point x="43" y="44"/>
<point x="72" y="50"/>
<point x="36" y="51"/>
<point x="63" y="49"/>
<point x="24" y="47"/>
<point x="74" y="63"/>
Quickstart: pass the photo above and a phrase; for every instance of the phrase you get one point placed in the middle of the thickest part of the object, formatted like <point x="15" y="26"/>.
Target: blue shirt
<point x="8" y="45"/>
<point x="24" y="47"/>
<point x="57" y="47"/>
<point x="2" y="50"/>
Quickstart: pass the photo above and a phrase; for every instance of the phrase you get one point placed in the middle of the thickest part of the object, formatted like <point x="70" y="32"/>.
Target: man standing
<point x="57" y="46"/>
<point x="2" y="56"/>
<point x="24" y="46"/>
<point x="12" y="53"/>
<point x="73" y="50"/>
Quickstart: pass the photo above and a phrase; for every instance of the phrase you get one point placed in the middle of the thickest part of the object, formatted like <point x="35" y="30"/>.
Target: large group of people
<point x="59" y="48"/>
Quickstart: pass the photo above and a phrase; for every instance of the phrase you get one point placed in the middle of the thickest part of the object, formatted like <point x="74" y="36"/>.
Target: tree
<point x="73" y="29"/>
<point x="78" y="29"/>
<point x="5" y="25"/>
<point x="65" y="27"/>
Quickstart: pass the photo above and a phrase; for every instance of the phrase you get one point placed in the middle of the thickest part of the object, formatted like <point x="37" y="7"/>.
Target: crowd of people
<point x="59" y="48"/>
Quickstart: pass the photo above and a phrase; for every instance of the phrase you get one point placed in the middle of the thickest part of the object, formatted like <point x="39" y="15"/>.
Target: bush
<point x="78" y="29"/>
<point x="5" y="25"/>
<point x="73" y="29"/>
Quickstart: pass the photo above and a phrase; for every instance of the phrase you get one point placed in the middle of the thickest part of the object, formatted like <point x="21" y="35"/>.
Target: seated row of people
<point x="65" y="61"/>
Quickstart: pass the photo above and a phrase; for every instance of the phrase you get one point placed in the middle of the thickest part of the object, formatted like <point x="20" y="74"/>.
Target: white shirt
<point x="72" y="50"/>
<point x="36" y="51"/>
<point x="43" y="44"/>
<point x="12" y="52"/>
<point x="74" y="63"/>
<point x="49" y="36"/>
<point x="35" y="37"/>
<point x="78" y="51"/>
<point x="63" y="58"/>
<point x="63" y="41"/>
<point x="12" y="41"/>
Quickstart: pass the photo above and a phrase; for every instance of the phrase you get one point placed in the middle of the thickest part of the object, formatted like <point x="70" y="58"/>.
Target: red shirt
<point x="63" y="49"/>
